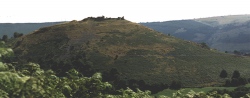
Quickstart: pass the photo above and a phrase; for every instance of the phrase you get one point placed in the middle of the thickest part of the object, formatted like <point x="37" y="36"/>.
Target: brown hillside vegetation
<point x="135" y="51"/>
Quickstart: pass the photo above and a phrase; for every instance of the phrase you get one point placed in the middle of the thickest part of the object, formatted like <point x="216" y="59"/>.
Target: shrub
<point x="223" y="74"/>
<point x="175" y="85"/>
<point x="236" y="74"/>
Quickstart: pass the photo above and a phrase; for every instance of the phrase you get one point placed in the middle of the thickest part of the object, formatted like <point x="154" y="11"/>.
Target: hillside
<point x="10" y="28"/>
<point x="224" y="20"/>
<point x="184" y="29"/>
<point x="135" y="51"/>
<point x="224" y="33"/>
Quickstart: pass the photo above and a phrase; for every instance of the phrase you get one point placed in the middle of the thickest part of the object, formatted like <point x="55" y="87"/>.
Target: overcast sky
<point x="134" y="10"/>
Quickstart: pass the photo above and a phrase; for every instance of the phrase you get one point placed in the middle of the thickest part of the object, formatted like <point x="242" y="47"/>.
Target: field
<point x="169" y="92"/>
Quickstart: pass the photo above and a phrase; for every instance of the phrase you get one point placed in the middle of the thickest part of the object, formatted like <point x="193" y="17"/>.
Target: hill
<point x="25" y="28"/>
<point x="224" y="20"/>
<point x="185" y="29"/>
<point x="225" y="33"/>
<point x="129" y="50"/>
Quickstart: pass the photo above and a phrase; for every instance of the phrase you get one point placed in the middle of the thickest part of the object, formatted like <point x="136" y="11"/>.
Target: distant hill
<point x="224" y="20"/>
<point x="225" y="33"/>
<point x="185" y="29"/>
<point x="135" y="51"/>
<point x="25" y="28"/>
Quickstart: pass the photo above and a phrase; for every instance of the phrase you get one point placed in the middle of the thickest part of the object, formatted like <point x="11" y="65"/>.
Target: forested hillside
<point x="224" y="33"/>
<point x="184" y="29"/>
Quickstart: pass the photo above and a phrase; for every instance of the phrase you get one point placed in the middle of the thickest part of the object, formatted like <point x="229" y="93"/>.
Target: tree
<point x="242" y="81"/>
<point x="236" y="74"/>
<point x="223" y="74"/>
<point x="175" y="85"/>
<point x="132" y="83"/>
<point x="228" y="83"/>
<point x="204" y="45"/>
<point x="4" y="38"/>
<point x="236" y="52"/>
<point x="16" y="35"/>
<point x="235" y="82"/>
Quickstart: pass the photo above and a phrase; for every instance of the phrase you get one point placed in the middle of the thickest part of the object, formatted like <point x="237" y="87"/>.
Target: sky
<point x="22" y="11"/>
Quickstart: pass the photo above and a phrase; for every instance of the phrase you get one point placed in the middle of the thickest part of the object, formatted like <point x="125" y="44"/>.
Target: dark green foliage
<point x="96" y="56"/>
<point x="79" y="62"/>
<point x="237" y="52"/>
<point x="236" y="74"/>
<point x="175" y="85"/>
<point x="16" y="35"/>
<point x="112" y="75"/>
<point x="239" y="92"/>
<point x="227" y="83"/>
<point x="29" y="81"/>
<point x="204" y="45"/>
<point x="133" y="84"/>
<point x="236" y="80"/>
<point x="243" y="81"/>
<point x="142" y="85"/>
<point x="223" y="73"/>
<point x="5" y="38"/>
<point x="236" y="93"/>
<point x="154" y="88"/>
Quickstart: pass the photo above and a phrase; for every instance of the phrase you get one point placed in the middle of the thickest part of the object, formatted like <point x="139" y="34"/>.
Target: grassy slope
<point x="135" y="51"/>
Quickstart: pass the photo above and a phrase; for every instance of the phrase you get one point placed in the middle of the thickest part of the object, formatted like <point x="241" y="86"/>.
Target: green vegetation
<point x="74" y="54"/>
<point x="4" y="38"/>
<point x="205" y="91"/>
<point x="169" y="92"/>
<point x="223" y="74"/>
<point x="30" y="81"/>
<point x="16" y="34"/>
<point x="136" y="52"/>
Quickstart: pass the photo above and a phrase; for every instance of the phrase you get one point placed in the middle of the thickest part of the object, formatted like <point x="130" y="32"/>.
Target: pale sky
<point x="16" y="11"/>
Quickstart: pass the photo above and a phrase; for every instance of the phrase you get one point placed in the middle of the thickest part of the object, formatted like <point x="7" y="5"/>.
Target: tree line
<point x="15" y="35"/>
<point x="235" y="80"/>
